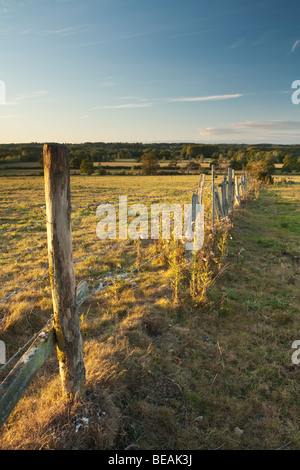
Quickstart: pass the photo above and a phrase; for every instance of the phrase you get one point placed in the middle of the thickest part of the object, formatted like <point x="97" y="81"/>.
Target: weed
<point x="176" y="262"/>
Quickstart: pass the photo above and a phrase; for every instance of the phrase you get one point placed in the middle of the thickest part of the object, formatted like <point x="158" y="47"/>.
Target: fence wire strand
<point x="75" y="262"/>
<point x="24" y="287"/>
<point x="126" y="276"/>
<point x="21" y="227"/>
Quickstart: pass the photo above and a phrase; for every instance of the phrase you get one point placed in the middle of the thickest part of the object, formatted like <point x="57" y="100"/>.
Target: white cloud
<point x="260" y="131"/>
<point x="238" y="43"/>
<point x="205" y="98"/>
<point x="124" y="106"/>
<point x="68" y="31"/>
<point x="296" y="43"/>
<point x="10" y="6"/>
<point x="28" y="98"/>
<point x="36" y="94"/>
<point x="107" y="84"/>
<point x="146" y="103"/>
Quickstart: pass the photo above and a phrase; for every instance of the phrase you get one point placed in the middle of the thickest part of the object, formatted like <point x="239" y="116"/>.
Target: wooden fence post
<point x="219" y="204"/>
<point x="237" y="191"/>
<point x="233" y="190"/>
<point x="229" y="202"/>
<point x="213" y="221"/>
<point x="61" y="268"/>
<point x="201" y="189"/>
<point x="194" y="208"/>
<point x="223" y="195"/>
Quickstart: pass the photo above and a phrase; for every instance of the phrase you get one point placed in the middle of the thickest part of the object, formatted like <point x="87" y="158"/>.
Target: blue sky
<point x="149" y="71"/>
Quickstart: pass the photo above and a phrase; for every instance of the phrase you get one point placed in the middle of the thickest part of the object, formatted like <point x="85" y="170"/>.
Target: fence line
<point x="201" y="184"/>
<point x="222" y="207"/>
<point x="231" y="189"/>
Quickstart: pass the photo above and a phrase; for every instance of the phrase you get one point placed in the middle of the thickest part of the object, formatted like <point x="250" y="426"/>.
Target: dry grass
<point x="165" y="375"/>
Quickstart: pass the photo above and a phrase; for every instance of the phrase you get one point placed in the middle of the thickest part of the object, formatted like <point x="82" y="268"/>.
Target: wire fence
<point x="101" y="287"/>
<point x="76" y="208"/>
<point x="38" y="348"/>
<point x="222" y="210"/>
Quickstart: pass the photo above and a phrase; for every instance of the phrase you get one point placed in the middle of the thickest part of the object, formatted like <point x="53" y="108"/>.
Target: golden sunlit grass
<point x="168" y="366"/>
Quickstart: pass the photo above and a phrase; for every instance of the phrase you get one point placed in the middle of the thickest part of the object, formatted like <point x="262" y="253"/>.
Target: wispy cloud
<point x="123" y="106"/>
<point x="107" y="84"/>
<point x="28" y="98"/>
<point x="254" y="130"/>
<point x="113" y="39"/>
<point x="10" y="6"/>
<point x="205" y="98"/>
<point x="68" y="31"/>
<point x="138" y="102"/>
<point x="275" y="125"/>
<point x="36" y="94"/>
<point x="296" y="44"/>
<point x="193" y="33"/>
<point x="238" y="43"/>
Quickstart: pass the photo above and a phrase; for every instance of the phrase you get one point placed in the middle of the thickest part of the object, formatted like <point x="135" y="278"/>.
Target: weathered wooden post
<point x="223" y="195"/>
<point x="61" y="268"/>
<point x="213" y="217"/>
<point x="243" y="183"/>
<point x="233" y="189"/>
<point x="201" y="188"/>
<point x="194" y="207"/>
<point x="229" y="202"/>
<point x="219" y="204"/>
<point x="246" y="181"/>
<point x="237" y="191"/>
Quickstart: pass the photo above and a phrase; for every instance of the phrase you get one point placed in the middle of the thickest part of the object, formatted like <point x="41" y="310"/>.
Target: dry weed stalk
<point x="177" y="262"/>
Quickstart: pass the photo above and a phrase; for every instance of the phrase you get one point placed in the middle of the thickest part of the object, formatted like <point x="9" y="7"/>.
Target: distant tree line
<point x="258" y="159"/>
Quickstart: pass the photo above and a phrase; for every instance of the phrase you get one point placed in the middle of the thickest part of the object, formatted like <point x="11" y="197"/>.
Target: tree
<point x="75" y="162"/>
<point x="193" y="151"/>
<point x="192" y="166"/>
<point x="174" y="161"/>
<point x="289" y="164"/>
<point x="261" y="170"/>
<point x="86" y="167"/>
<point x="165" y="154"/>
<point x="215" y="163"/>
<point x="236" y="164"/>
<point x="150" y="164"/>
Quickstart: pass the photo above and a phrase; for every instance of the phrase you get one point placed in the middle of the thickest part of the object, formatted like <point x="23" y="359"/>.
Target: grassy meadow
<point x="176" y="357"/>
